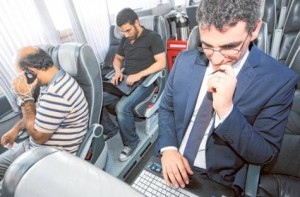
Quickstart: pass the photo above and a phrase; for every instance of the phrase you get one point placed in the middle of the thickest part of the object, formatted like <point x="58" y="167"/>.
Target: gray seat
<point x="284" y="38"/>
<point x="270" y="17"/>
<point x="47" y="172"/>
<point x="191" y="12"/>
<point x="80" y="62"/>
<point x="115" y="37"/>
<point x="151" y="104"/>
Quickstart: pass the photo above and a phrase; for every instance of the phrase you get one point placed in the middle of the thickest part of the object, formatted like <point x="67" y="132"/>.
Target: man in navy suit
<point x="251" y="96"/>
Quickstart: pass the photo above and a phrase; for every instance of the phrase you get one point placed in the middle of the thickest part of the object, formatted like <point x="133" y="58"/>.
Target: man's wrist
<point x="23" y="100"/>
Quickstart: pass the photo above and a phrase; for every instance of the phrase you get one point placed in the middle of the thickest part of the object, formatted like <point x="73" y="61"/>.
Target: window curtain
<point x="21" y="24"/>
<point x="93" y="19"/>
<point x="76" y="26"/>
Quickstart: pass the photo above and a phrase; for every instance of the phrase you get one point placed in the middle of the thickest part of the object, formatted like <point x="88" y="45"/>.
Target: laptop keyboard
<point x="153" y="185"/>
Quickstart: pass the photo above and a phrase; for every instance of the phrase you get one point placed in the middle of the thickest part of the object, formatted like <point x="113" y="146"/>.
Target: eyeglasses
<point x="225" y="52"/>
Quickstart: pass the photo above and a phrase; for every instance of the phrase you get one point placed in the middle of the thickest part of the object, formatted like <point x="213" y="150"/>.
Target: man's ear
<point x="137" y="22"/>
<point x="256" y="30"/>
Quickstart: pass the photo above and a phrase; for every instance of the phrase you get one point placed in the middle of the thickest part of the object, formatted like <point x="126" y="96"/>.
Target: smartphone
<point x="30" y="76"/>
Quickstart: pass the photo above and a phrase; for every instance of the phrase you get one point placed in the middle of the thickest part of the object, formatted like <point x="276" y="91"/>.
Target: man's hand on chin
<point x="176" y="168"/>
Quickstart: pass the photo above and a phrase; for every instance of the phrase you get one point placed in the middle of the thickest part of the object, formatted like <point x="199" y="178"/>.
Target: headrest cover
<point x="117" y="33"/>
<point x="67" y="58"/>
<point x="147" y="22"/>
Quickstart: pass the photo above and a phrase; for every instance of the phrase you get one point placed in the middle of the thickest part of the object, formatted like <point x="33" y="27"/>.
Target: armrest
<point x="151" y="78"/>
<point x="252" y="180"/>
<point x="92" y="144"/>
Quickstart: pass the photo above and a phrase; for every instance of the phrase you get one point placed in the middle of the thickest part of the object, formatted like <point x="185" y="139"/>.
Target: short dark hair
<point x="40" y="60"/>
<point x="222" y="13"/>
<point x="127" y="15"/>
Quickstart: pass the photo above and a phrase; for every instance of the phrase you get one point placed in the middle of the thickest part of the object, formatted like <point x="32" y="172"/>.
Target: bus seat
<point x="47" y="47"/>
<point x="151" y="104"/>
<point x="47" y="172"/>
<point x="270" y="17"/>
<point x="194" y="39"/>
<point x="191" y="12"/>
<point x="282" y="177"/>
<point x="80" y="62"/>
<point x="284" y="38"/>
<point x="262" y="41"/>
<point x="115" y="37"/>
<point x="157" y="24"/>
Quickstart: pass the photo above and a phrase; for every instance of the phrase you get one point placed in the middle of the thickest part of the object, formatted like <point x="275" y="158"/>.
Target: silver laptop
<point x="150" y="182"/>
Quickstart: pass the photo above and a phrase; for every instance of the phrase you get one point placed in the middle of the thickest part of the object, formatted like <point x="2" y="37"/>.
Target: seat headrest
<point x="79" y="61"/>
<point x="161" y="9"/>
<point x="194" y="39"/>
<point x="117" y="33"/>
<point x="67" y="58"/>
<point x="147" y="22"/>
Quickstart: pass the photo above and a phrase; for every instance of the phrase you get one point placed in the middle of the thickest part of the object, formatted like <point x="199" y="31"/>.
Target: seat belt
<point x="252" y="180"/>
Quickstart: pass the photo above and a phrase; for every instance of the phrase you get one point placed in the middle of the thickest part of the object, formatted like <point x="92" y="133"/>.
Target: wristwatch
<point x="20" y="102"/>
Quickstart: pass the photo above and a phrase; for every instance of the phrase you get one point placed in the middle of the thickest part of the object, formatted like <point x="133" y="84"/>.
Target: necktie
<point x="201" y="123"/>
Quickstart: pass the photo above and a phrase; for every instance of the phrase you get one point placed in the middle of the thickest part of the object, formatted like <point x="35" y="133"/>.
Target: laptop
<point x="150" y="182"/>
<point x="122" y="89"/>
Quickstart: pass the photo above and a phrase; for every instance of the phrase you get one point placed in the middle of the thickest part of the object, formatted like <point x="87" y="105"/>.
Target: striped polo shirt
<point x="62" y="110"/>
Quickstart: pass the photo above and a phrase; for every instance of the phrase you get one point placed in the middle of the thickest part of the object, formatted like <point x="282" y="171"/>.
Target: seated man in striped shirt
<point x="60" y="116"/>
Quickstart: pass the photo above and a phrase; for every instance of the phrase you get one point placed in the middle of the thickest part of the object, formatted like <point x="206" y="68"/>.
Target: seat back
<point x="194" y="39"/>
<point x="283" y="39"/>
<point x="262" y="39"/>
<point x="191" y="12"/>
<point x="151" y="104"/>
<point x="157" y="24"/>
<point x="47" y="172"/>
<point x="115" y="37"/>
<point x="270" y="17"/>
<point x="80" y="62"/>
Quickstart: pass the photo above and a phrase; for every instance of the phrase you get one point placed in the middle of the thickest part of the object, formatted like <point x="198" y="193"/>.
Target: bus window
<point x="60" y="18"/>
<point x="114" y="6"/>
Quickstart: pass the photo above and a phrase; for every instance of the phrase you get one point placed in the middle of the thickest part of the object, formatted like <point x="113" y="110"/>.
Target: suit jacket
<point x="253" y="131"/>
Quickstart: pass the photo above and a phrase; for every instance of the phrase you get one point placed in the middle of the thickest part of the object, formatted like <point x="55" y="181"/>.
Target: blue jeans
<point x="125" y="116"/>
